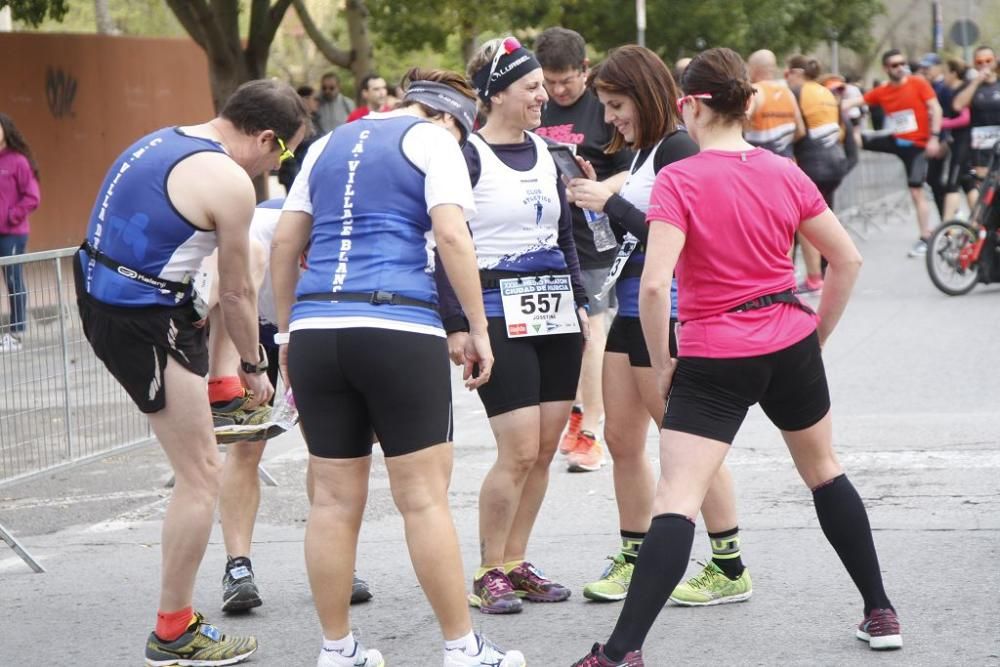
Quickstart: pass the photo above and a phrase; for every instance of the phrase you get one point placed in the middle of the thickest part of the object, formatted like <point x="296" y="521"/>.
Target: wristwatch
<point x="255" y="368"/>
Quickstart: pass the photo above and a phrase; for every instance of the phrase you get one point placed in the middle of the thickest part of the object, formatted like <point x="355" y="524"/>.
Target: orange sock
<point x="224" y="389"/>
<point x="171" y="624"/>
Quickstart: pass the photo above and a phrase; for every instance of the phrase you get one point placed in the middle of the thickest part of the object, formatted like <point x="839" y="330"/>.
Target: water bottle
<point x="285" y="414"/>
<point x="604" y="238"/>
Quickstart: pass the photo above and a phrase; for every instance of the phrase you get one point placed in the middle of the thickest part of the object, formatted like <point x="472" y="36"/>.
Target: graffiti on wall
<point x="60" y="90"/>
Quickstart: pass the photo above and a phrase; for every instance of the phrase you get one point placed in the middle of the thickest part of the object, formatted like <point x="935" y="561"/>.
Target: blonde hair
<point x="482" y="58"/>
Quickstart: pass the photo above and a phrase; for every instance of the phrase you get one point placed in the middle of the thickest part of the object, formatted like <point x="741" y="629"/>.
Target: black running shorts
<point x="710" y="397"/>
<point x="626" y="337"/>
<point x="352" y="383"/>
<point x="914" y="160"/>
<point x="134" y="343"/>
<point x="531" y="370"/>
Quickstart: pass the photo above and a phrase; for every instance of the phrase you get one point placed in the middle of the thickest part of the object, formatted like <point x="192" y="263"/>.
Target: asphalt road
<point x="915" y="378"/>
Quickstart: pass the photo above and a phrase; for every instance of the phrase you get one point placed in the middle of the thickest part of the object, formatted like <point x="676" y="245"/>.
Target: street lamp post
<point x="640" y="22"/>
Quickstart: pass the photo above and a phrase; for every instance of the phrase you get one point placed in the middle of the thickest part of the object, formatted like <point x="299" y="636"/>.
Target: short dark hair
<point x="809" y="66"/>
<point x="368" y="78"/>
<point x="639" y="74"/>
<point x="266" y="104"/>
<point x="891" y="53"/>
<point x="559" y="49"/>
<point x="721" y="73"/>
<point x="305" y="91"/>
<point x="330" y="75"/>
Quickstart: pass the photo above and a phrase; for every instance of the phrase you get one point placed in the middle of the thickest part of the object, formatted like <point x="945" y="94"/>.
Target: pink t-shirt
<point x="739" y="212"/>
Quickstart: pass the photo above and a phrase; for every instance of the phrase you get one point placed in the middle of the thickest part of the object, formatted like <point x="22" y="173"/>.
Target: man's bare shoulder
<point x="205" y="184"/>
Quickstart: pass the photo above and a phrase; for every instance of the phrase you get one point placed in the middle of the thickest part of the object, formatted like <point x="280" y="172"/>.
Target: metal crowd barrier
<point x="873" y="194"/>
<point x="59" y="406"/>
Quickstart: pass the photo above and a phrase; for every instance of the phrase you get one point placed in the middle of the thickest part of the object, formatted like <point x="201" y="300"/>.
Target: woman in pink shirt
<point x="18" y="197"/>
<point x="725" y="219"/>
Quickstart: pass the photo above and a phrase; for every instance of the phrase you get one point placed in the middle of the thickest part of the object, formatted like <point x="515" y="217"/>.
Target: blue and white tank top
<point x="516" y="227"/>
<point x="135" y="224"/>
<point x="371" y="230"/>
<point x="637" y="189"/>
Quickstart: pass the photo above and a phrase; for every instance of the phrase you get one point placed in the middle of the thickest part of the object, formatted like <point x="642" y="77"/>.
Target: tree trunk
<point x="362" y="59"/>
<point x="105" y="24"/>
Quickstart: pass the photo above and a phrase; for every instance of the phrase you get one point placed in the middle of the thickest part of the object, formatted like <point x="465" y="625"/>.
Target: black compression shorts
<point x="352" y="383"/>
<point x="710" y="397"/>
<point x="914" y="160"/>
<point x="531" y="370"/>
<point x="626" y="337"/>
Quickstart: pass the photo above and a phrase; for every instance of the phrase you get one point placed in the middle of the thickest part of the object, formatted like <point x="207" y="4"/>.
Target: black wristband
<point x="455" y="323"/>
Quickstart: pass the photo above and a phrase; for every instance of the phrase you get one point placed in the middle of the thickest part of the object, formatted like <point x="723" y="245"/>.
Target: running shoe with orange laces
<point x="568" y="442"/>
<point x="588" y="455"/>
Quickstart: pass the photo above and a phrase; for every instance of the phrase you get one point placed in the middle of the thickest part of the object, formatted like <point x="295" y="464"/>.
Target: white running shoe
<point x="360" y="658"/>
<point x="9" y="343"/>
<point x="489" y="656"/>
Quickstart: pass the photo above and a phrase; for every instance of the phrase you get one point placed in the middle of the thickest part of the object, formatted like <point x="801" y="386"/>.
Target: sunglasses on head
<point x="695" y="96"/>
<point x="507" y="46"/>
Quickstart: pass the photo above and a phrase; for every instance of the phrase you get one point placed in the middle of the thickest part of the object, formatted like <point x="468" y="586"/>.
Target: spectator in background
<point x="960" y="174"/>
<point x="393" y="96"/>
<point x="679" y="68"/>
<point x="289" y="169"/>
<point x="575" y="117"/>
<point x="334" y="106"/>
<point x="913" y="121"/>
<point x="19" y="196"/>
<point x="373" y="93"/>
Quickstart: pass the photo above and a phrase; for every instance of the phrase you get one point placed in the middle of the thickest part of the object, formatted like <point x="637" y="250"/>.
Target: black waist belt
<point x="490" y="278"/>
<point x="787" y="296"/>
<point x="183" y="289"/>
<point x="376" y="298"/>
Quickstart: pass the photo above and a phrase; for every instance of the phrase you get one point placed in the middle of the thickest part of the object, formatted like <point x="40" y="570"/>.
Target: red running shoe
<point x="881" y="630"/>
<point x="596" y="658"/>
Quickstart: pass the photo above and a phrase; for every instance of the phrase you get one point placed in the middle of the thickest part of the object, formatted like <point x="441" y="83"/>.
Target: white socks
<point x="467" y="644"/>
<point x="345" y="646"/>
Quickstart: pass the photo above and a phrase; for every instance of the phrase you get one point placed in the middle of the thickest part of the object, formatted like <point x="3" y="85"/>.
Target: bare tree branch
<point x="327" y="48"/>
<point x="182" y="10"/>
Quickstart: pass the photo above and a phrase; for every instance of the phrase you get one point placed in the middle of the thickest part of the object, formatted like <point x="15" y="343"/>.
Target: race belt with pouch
<point x="182" y="291"/>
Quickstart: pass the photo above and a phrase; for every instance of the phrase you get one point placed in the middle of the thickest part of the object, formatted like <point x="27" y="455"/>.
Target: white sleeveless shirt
<point x="517" y="212"/>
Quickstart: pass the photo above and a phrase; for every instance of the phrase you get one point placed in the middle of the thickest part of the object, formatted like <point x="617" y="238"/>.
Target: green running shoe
<point x="613" y="584"/>
<point x="712" y="586"/>
<point x="201" y="644"/>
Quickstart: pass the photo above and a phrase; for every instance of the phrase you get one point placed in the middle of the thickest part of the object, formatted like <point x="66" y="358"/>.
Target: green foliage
<point x="33" y="12"/>
<point x="674" y="29"/>
<point x="147" y="18"/>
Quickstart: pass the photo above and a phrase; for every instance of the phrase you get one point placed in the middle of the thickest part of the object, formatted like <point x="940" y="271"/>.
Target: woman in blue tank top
<point x="365" y="354"/>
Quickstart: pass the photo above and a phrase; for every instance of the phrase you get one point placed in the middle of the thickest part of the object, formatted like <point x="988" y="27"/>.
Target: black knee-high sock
<point x="844" y="521"/>
<point x="662" y="560"/>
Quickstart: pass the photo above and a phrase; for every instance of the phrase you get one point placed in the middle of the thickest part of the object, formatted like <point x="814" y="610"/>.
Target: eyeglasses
<point x="684" y="100"/>
<point x="895" y="65"/>
<point x="285" y="153"/>
<point x="508" y="46"/>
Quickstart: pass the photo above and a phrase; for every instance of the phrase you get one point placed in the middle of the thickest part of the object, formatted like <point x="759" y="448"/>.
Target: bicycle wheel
<point x="947" y="263"/>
